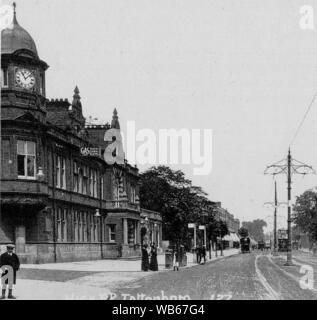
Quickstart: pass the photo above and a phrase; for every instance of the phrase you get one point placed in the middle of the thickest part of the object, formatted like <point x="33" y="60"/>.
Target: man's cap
<point x="12" y="246"/>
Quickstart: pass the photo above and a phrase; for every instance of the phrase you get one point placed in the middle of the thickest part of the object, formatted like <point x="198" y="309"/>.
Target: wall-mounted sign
<point x="92" y="152"/>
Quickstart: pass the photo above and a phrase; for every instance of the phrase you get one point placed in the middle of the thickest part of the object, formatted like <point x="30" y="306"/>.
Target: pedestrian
<point x="9" y="258"/>
<point x="176" y="259"/>
<point x="153" y="260"/>
<point x="145" y="258"/>
<point x="203" y="253"/>
<point x="198" y="254"/>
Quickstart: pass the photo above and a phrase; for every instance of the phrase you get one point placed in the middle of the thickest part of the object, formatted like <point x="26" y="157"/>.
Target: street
<point x="235" y="276"/>
<point x="254" y="276"/>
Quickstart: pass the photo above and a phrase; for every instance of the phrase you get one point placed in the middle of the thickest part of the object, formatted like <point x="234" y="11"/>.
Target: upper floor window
<point x="102" y="187"/>
<point x="26" y="159"/>
<point x="75" y="177"/>
<point x="85" y="180"/>
<point x="80" y="180"/>
<point x="91" y="188"/>
<point x="4" y="78"/>
<point x="95" y="183"/>
<point x="60" y="172"/>
<point x="42" y="84"/>
<point x="132" y="194"/>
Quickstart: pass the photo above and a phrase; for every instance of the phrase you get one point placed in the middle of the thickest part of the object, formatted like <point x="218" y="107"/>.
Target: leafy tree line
<point x="169" y="192"/>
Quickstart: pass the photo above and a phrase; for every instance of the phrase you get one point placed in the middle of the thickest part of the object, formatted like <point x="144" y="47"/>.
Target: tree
<point x="305" y="213"/>
<point x="243" y="232"/>
<point x="217" y="228"/>
<point x="255" y="228"/>
<point x="170" y="193"/>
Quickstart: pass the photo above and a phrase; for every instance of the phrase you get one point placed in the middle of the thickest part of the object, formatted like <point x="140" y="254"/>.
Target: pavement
<point x="91" y="280"/>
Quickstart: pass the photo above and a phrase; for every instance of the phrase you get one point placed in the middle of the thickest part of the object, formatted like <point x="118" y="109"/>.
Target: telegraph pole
<point x="289" y="261"/>
<point x="275" y="205"/>
<point x="275" y="224"/>
<point x="289" y="166"/>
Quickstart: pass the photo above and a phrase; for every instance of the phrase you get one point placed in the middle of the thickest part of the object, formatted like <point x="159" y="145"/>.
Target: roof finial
<point x="14" y="5"/>
<point x="76" y="96"/>
<point x="115" y="120"/>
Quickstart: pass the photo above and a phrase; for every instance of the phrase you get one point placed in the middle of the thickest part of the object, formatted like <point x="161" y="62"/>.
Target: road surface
<point x="254" y="276"/>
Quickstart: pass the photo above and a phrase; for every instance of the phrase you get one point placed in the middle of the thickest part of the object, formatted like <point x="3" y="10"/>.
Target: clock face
<point x="25" y="78"/>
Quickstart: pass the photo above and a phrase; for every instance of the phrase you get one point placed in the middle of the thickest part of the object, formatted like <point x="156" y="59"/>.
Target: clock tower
<point x="22" y="75"/>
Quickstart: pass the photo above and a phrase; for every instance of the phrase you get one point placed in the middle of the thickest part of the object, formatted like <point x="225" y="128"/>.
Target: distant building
<point x="232" y="223"/>
<point x="60" y="201"/>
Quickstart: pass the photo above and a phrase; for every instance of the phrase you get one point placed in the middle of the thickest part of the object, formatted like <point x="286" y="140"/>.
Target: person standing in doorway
<point x="9" y="258"/>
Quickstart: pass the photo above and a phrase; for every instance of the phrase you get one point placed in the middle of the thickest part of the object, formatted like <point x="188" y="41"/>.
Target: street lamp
<point x="40" y="173"/>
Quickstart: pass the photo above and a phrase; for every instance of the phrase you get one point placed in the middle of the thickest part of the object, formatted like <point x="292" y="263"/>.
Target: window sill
<point x="27" y="178"/>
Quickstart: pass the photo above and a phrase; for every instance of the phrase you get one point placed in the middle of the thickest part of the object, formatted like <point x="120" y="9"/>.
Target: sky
<point x="244" y="69"/>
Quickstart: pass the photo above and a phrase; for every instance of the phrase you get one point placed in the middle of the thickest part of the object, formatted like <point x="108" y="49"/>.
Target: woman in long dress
<point x="145" y="259"/>
<point x="153" y="262"/>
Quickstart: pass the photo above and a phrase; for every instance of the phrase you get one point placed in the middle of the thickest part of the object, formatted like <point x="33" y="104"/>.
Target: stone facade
<point x="58" y="201"/>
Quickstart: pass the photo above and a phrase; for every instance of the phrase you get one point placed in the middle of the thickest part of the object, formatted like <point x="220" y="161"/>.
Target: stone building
<point x="60" y="200"/>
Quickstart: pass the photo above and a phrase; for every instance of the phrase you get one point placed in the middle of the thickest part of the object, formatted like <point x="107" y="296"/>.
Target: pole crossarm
<point x="270" y="205"/>
<point x="297" y="167"/>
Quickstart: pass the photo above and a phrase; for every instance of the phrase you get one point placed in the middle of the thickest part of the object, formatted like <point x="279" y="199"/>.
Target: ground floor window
<point x="61" y="227"/>
<point x="132" y="231"/>
<point x="112" y="233"/>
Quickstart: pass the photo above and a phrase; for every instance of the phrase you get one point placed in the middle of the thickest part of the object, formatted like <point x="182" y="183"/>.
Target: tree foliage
<point x="173" y="195"/>
<point x="243" y="232"/>
<point x="305" y="213"/>
<point x="255" y="228"/>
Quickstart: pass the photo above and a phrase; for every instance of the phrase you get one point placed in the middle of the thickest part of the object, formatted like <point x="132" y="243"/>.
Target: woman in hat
<point x="9" y="258"/>
<point x="153" y="260"/>
<point x="145" y="258"/>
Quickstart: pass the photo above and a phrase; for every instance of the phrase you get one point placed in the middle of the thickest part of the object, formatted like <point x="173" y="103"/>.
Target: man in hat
<point x="9" y="258"/>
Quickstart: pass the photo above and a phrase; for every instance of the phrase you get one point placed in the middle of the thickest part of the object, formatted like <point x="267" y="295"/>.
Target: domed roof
<point x="16" y="38"/>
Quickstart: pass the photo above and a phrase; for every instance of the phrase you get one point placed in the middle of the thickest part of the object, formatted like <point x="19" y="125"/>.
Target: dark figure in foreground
<point x="153" y="261"/>
<point x="9" y="259"/>
<point x="145" y="259"/>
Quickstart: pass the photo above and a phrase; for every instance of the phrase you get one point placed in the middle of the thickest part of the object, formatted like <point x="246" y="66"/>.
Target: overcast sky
<point x="244" y="69"/>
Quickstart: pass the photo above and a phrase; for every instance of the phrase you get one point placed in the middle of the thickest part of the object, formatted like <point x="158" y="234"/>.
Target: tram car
<point x="245" y="245"/>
